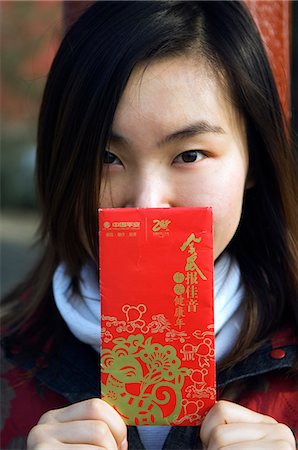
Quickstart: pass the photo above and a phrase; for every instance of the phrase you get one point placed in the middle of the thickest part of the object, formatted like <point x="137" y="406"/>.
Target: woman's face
<point x="177" y="141"/>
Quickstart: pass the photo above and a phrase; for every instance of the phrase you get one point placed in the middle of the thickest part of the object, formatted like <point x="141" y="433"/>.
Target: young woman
<point x="159" y="104"/>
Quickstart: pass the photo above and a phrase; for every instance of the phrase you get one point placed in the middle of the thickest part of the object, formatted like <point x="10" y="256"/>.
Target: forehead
<point x="173" y="90"/>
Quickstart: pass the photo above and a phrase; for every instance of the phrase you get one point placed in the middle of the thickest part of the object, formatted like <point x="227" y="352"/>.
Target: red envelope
<point x="157" y="321"/>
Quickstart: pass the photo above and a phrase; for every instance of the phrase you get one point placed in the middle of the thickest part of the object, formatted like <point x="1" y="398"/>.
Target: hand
<point x="88" y="425"/>
<point x="229" y="426"/>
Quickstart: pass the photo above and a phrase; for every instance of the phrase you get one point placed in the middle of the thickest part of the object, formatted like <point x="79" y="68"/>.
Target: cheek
<point x="110" y="192"/>
<point x="224" y="193"/>
<point x="105" y="199"/>
<point x="227" y="214"/>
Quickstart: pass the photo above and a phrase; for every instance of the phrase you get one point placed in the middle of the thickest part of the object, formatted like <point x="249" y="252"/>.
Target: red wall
<point x="274" y="21"/>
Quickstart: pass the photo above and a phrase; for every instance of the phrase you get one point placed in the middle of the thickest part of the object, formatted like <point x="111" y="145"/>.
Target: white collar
<point x="82" y="314"/>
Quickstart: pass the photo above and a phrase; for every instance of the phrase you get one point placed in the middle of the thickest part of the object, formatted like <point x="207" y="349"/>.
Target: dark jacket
<point x="32" y="386"/>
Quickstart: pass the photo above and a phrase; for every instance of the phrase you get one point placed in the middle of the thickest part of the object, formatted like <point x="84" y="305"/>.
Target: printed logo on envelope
<point x="157" y="332"/>
<point x="160" y="224"/>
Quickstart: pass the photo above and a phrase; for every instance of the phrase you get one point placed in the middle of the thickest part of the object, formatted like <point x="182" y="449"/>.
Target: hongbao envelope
<point x="157" y="324"/>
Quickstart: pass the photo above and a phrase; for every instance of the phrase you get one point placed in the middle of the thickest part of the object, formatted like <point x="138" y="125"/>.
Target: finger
<point x="224" y="412"/>
<point x="231" y="434"/>
<point x="262" y="445"/>
<point x="45" y="442"/>
<point x="89" y="432"/>
<point x="93" y="409"/>
<point x="61" y="446"/>
<point x="93" y="432"/>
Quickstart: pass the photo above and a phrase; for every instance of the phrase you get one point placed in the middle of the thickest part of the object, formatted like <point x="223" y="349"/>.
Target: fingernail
<point x="123" y="445"/>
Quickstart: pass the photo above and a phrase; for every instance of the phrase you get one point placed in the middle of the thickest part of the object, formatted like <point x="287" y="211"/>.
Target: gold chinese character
<point x="179" y="312"/>
<point x="191" y="291"/>
<point x="191" y="265"/>
<point x="191" y="278"/>
<point x="192" y="305"/>
<point x="191" y="238"/>
<point x="179" y="322"/>
<point x="190" y="262"/>
<point x="179" y="300"/>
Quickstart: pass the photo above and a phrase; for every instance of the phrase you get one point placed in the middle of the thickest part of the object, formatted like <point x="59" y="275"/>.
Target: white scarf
<point x="82" y="316"/>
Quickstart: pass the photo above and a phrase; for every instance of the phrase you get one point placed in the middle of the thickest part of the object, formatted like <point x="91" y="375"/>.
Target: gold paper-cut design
<point x="134" y="321"/>
<point x="156" y="374"/>
<point x="191" y="411"/>
<point x="142" y="378"/>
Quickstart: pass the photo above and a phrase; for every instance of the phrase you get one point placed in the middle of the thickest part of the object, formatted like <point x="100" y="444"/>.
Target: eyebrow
<point x="194" y="129"/>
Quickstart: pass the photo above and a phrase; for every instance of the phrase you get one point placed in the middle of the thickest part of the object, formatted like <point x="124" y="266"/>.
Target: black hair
<point x="85" y="84"/>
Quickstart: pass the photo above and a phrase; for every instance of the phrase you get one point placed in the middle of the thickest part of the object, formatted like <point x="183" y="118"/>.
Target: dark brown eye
<point x="110" y="158"/>
<point x="189" y="156"/>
